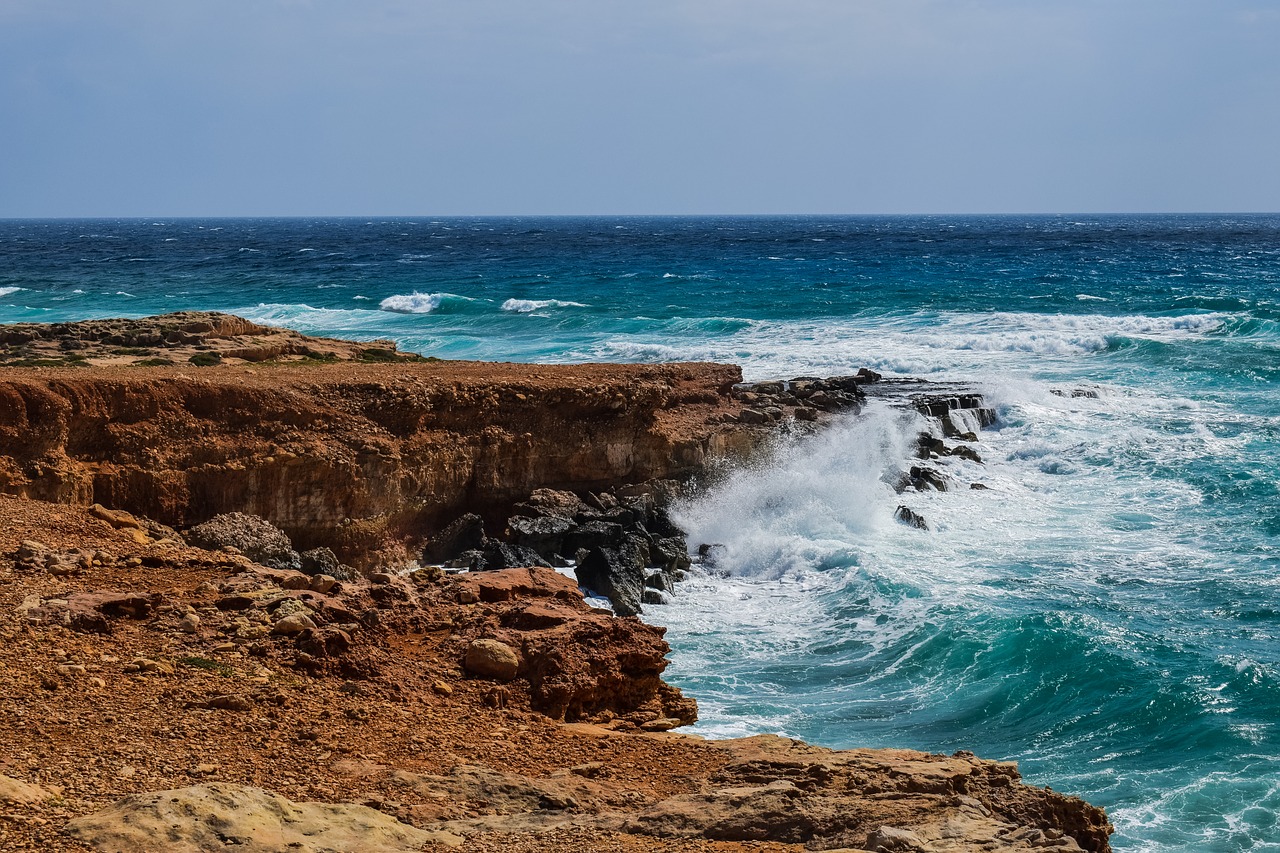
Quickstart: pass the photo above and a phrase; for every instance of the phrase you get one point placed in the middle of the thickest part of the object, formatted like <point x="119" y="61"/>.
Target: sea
<point x="1106" y="612"/>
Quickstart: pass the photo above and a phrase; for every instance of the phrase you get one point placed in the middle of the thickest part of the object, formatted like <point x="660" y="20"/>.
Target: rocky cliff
<point x="181" y="678"/>
<point x="352" y="456"/>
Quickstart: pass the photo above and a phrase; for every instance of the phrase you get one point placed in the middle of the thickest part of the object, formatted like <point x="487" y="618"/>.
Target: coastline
<point x="404" y="447"/>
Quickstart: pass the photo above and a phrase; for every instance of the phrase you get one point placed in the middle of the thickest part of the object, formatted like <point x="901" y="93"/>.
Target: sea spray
<point x="1106" y="611"/>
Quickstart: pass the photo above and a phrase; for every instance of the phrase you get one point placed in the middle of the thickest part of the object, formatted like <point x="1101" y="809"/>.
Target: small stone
<point x="292" y="625"/>
<point x="443" y="688"/>
<point x="229" y="702"/>
<point x="204" y="769"/>
<point x="189" y="624"/>
<point x="72" y="669"/>
<point x="663" y="724"/>
<point x="323" y="583"/>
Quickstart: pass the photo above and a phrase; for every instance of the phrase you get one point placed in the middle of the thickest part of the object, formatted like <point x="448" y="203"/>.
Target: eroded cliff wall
<point x="344" y="454"/>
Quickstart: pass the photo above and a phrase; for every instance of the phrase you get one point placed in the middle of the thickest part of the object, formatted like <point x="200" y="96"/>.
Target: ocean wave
<point x="526" y="306"/>
<point x="419" y="303"/>
<point x="9" y="291"/>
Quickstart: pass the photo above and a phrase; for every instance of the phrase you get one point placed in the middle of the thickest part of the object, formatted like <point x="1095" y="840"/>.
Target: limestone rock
<point x="492" y="659"/>
<point x="212" y="817"/>
<point x="22" y="793"/>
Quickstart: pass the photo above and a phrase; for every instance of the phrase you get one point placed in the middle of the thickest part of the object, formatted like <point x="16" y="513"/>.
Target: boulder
<point x="465" y="533"/>
<point x="22" y="793"/>
<point x="256" y="538"/>
<point x="615" y="573"/>
<point x="492" y="659"/>
<point x="545" y="535"/>
<point x="551" y="503"/>
<point x="320" y="561"/>
<point x="501" y="555"/>
<point x="592" y="534"/>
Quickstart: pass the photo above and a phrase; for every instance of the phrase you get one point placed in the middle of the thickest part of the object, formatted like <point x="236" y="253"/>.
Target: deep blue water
<point x="1106" y="613"/>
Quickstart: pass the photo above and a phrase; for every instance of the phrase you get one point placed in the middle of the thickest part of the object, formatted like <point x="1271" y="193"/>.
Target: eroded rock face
<point x="579" y="663"/>
<point x="777" y="789"/>
<point x="216" y="816"/>
<point x="351" y="456"/>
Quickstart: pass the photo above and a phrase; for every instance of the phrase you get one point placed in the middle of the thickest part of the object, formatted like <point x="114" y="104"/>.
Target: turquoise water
<point x="1106" y="613"/>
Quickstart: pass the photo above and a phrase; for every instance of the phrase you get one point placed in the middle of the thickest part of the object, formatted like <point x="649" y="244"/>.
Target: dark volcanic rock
<point x="503" y="555"/>
<point x="617" y="574"/>
<point x="256" y="538"/>
<point x="593" y="534"/>
<point x="544" y="535"/>
<point x="320" y="561"/>
<point x="910" y="518"/>
<point x="465" y="533"/>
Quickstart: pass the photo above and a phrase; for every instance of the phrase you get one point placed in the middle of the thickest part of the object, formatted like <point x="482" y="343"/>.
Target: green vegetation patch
<point x="208" y="665"/>
<point x="205" y="359"/>
<point x="154" y="362"/>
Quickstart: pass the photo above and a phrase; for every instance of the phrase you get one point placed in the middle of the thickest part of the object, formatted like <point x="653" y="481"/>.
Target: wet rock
<point x="492" y="659"/>
<point x="964" y="451"/>
<point x="615" y="573"/>
<point x="923" y="479"/>
<point x="256" y="538"/>
<point x="910" y="518"/>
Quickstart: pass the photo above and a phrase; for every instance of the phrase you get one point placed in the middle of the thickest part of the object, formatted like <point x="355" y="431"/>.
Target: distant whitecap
<point x="525" y="306"/>
<point x="9" y="291"/>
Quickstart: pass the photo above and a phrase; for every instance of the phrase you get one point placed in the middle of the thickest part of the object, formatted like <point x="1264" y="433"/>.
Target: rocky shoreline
<point x="334" y="604"/>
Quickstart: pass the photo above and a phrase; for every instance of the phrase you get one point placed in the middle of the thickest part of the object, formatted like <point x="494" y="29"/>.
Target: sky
<point x="494" y="107"/>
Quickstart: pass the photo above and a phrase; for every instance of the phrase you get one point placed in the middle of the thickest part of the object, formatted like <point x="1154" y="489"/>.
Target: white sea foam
<point x="415" y="303"/>
<point x="527" y="306"/>
<point x="9" y="291"/>
<point x="943" y="345"/>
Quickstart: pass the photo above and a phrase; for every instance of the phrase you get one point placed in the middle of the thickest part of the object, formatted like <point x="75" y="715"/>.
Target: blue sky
<point x="419" y="107"/>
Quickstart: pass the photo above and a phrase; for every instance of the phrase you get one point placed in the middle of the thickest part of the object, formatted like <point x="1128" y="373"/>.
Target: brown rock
<point x="211" y="817"/>
<point x="492" y="659"/>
